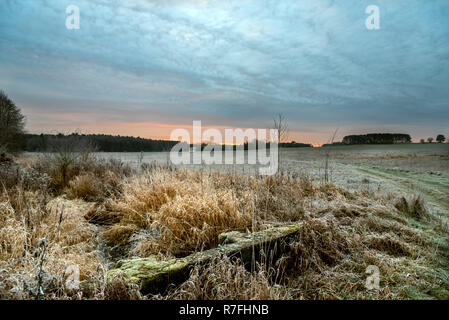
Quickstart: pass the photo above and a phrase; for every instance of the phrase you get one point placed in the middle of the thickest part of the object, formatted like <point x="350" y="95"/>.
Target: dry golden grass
<point x="186" y="210"/>
<point x="169" y="212"/>
<point x="117" y="233"/>
<point x="225" y="279"/>
<point x="412" y="206"/>
<point x="343" y="233"/>
<point x="120" y="289"/>
<point x="389" y="245"/>
<point x="185" y="213"/>
<point x="85" y="186"/>
<point x="25" y="219"/>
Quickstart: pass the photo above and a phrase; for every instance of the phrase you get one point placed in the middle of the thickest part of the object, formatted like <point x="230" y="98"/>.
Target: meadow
<point x="380" y="205"/>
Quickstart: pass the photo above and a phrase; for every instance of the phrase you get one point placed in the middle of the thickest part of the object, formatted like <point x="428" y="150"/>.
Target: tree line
<point x="97" y="142"/>
<point x="110" y="143"/>
<point x="377" y="138"/>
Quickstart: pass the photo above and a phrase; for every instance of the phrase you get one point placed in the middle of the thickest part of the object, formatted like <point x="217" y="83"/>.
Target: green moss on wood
<point x="154" y="275"/>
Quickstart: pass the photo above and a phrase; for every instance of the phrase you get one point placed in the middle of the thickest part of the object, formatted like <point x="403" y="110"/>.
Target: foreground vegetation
<point x="69" y="208"/>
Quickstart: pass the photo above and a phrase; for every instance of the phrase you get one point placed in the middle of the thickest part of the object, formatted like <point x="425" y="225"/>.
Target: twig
<point x="326" y="164"/>
<point x="42" y="242"/>
<point x="61" y="214"/>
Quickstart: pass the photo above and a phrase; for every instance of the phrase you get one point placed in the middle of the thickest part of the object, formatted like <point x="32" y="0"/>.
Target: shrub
<point x="86" y="186"/>
<point x="190" y="223"/>
<point x="121" y="289"/>
<point x="413" y="207"/>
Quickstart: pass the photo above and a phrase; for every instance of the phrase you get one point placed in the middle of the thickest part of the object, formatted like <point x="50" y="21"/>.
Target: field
<point x="382" y="205"/>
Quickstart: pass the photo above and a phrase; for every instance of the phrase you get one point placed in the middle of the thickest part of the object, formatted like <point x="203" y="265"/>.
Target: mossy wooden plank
<point x="154" y="276"/>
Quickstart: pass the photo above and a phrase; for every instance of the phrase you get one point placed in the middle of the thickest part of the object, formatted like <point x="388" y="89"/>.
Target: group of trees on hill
<point x="377" y="138"/>
<point x="440" y="139"/>
<point x="295" y="144"/>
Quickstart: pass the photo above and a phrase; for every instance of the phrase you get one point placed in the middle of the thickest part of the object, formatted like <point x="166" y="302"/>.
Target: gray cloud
<point x="232" y="62"/>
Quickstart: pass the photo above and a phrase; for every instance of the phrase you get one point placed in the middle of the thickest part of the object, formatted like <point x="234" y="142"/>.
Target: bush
<point x="87" y="187"/>
<point x="413" y="207"/>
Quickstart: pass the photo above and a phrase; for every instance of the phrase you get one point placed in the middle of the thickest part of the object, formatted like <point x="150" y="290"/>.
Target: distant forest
<point x="378" y="138"/>
<point x="96" y="142"/>
<point x="107" y="143"/>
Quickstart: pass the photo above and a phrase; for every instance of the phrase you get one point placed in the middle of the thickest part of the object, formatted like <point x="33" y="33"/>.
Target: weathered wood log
<point x="154" y="276"/>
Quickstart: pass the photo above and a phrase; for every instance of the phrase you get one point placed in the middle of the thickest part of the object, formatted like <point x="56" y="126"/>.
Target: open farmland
<point x="383" y="206"/>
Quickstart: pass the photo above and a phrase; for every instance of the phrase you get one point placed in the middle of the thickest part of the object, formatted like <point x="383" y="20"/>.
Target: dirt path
<point x="432" y="187"/>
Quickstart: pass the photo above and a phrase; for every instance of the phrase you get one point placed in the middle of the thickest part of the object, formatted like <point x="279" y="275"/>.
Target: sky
<point x="146" y="67"/>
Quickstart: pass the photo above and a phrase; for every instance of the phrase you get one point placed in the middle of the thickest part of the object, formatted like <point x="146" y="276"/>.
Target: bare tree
<point x="281" y="126"/>
<point x="12" y="124"/>
<point x="430" y="139"/>
<point x="327" y="156"/>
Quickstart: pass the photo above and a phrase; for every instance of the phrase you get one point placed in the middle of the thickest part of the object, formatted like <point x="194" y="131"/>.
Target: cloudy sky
<point x="145" y="67"/>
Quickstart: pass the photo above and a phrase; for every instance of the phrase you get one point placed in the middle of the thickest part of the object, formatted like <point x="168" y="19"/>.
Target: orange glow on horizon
<point x="76" y="122"/>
